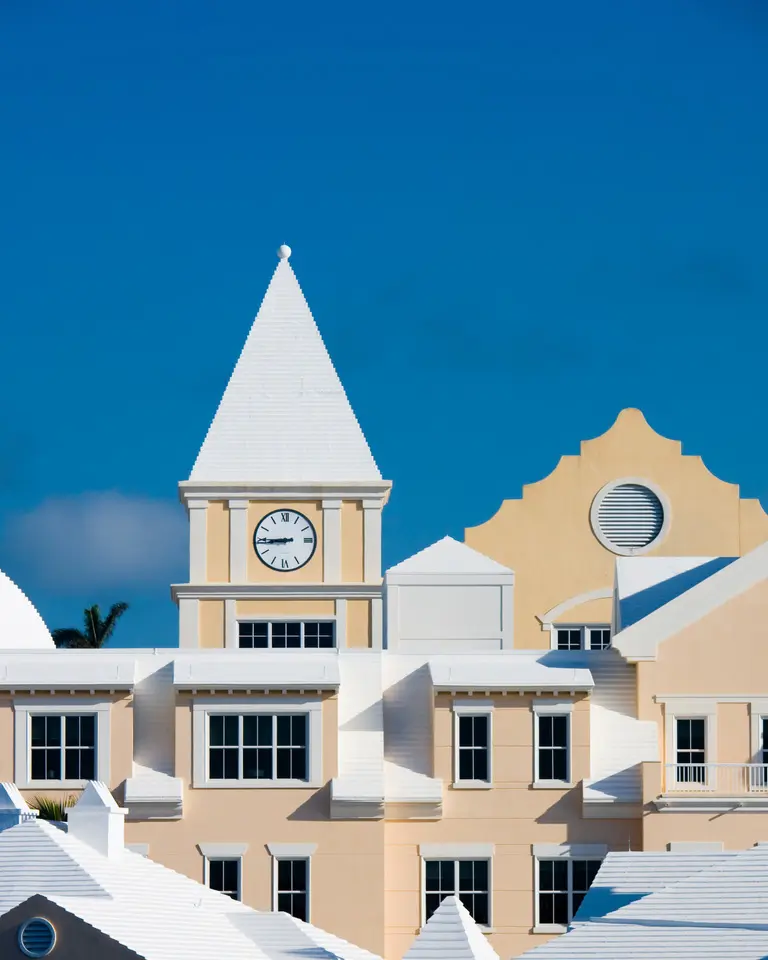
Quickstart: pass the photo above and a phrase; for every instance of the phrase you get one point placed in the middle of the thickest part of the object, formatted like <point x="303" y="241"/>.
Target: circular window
<point x="37" y="938"/>
<point x="629" y="516"/>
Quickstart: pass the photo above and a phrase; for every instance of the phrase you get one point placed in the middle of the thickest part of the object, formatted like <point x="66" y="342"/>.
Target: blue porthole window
<point x="37" y="938"/>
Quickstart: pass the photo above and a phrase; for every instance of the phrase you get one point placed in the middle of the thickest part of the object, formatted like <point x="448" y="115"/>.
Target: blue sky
<point x="536" y="213"/>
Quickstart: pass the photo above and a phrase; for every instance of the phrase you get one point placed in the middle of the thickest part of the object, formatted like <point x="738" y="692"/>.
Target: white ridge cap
<point x="448" y="556"/>
<point x="284" y="416"/>
<point x="451" y="934"/>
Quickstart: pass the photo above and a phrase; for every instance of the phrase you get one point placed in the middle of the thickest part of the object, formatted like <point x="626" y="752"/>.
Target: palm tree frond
<point x="50" y="808"/>
<point x="68" y="637"/>
<point x="108" y="624"/>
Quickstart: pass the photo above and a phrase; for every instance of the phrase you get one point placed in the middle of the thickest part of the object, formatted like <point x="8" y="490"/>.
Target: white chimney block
<point x="98" y="821"/>
<point x="13" y="807"/>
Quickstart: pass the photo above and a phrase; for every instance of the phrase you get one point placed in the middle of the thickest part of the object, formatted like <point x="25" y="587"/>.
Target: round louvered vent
<point x="37" y="938"/>
<point x="628" y="517"/>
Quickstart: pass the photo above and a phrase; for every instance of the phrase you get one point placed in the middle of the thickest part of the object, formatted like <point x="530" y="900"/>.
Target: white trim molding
<point x="547" y="619"/>
<point x="191" y="490"/>
<point x="472" y="708"/>
<point x="758" y="709"/>
<point x="238" y="541"/>
<point x="577" y="851"/>
<point x="270" y="591"/>
<point x="201" y="709"/>
<point x="331" y="541"/>
<point x="690" y="708"/>
<point x="372" y="541"/>
<point x="340" y="610"/>
<point x="231" y="627"/>
<point x="292" y="851"/>
<point x="198" y="540"/>
<point x="545" y="707"/>
<point x="594" y="516"/>
<point x="222" y="851"/>
<point x="56" y="706"/>
<point x="189" y="622"/>
<point x="456" y="851"/>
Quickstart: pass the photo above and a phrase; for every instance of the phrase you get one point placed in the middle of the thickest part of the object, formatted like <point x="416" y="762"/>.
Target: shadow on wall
<point x="638" y="605"/>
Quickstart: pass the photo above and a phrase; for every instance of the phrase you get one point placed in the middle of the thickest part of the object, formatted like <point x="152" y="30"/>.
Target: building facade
<point x="584" y="674"/>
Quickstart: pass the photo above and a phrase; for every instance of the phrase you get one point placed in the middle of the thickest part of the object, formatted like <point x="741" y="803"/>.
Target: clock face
<point x="284" y="540"/>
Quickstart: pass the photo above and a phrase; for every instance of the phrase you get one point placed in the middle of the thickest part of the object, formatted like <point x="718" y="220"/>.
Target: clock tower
<point x="284" y="499"/>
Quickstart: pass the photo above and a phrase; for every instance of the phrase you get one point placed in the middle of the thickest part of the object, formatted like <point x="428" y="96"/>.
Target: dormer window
<point x="287" y="634"/>
<point x="592" y="636"/>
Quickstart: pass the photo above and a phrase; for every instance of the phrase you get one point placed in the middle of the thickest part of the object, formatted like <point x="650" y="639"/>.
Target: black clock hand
<point x="275" y="540"/>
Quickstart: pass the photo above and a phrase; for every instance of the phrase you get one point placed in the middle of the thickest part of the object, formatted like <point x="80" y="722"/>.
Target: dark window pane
<point x="579" y="868"/>
<point x="481" y="765"/>
<point x="39" y="769"/>
<point x="299" y="731"/>
<point x="545" y="731"/>
<point x="265" y="733"/>
<point x="87" y="764"/>
<point x="38" y="731"/>
<point x="231" y="771"/>
<point x="477" y="905"/>
<point x="561" y="874"/>
<point x="71" y="764"/>
<point x="560" y="731"/>
<point x="560" y="766"/>
<point x="465" y="731"/>
<point x="546" y="875"/>
<point x="216" y="731"/>
<point x="257" y="763"/>
<point x="53" y="731"/>
<point x="88" y="731"/>
<point x="561" y="908"/>
<point x="216" y="874"/>
<point x="216" y="764"/>
<point x="466" y="767"/>
<point x="299" y="874"/>
<point x="231" y="731"/>
<point x="284" y="875"/>
<point x="230" y="874"/>
<point x="72" y="731"/>
<point x="546" y="769"/>
<point x="431" y="902"/>
<point x="577" y="898"/>
<point x="432" y="874"/>
<point x="697" y="734"/>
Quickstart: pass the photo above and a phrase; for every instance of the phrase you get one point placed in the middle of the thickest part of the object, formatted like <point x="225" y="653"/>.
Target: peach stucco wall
<point x="546" y="537"/>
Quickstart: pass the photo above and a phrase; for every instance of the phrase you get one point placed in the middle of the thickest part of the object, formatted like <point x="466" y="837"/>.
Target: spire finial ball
<point x="283" y="252"/>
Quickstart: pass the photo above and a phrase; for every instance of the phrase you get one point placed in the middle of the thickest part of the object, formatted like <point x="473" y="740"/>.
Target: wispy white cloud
<point x="99" y="539"/>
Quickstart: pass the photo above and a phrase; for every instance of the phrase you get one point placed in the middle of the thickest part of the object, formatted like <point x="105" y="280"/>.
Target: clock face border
<point x="314" y="540"/>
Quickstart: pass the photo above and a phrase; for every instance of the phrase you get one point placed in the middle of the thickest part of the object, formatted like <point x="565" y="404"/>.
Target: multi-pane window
<point x="690" y="749"/>
<point x="292" y="887"/>
<point x="583" y="638"/>
<point x="474" y="747"/>
<point x="62" y="747"/>
<point x="562" y="884"/>
<point x="257" y="746"/>
<point x="552" y="737"/>
<point x="466" y="879"/>
<point x="224" y="876"/>
<point x="284" y="634"/>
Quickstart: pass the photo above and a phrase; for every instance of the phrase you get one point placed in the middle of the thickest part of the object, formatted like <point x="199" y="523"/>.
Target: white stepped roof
<point x="21" y="626"/>
<point x="284" y="416"/>
<point x="451" y="934"/>
<point x="154" y="911"/>
<point x="448" y="556"/>
<point x="713" y="913"/>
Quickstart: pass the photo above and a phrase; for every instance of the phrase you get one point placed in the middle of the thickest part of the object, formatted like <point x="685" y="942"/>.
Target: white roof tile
<point x="448" y="556"/>
<point x="713" y="913"/>
<point x="21" y="626"/>
<point x="284" y="415"/>
<point x="451" y="934"/>
<point x="157" y="913"/>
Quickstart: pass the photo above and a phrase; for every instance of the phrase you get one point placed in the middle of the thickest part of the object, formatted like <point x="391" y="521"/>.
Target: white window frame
<point x="472" y="708"/>
<point x="561" y="851"/>
<point x="758" y="711"/>
<point x="584" y="628"/>
<point x="201" y="709"/>
<point x="25" y="709"/>
<point x="292" y="851"/>
<point x="679" y="708"/>
<point x="332" y="619"/>
<point x="224" y="851"/>
<point x="456" y="852"/>
<point x="543" y="707"/>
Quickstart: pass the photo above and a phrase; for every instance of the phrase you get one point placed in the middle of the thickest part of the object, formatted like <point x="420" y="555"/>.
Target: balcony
<point x="720" y="787"/>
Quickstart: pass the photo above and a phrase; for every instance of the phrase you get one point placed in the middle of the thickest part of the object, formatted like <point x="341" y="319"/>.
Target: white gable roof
<point x="21" y="626"/>
<point x="448" y="556"/>
<point x="284" y="416"/>
<point x="154" y="911"/>
<point x="716" y="912"/>
<point x="640" y="640"/>
<point x="451" y="934"/>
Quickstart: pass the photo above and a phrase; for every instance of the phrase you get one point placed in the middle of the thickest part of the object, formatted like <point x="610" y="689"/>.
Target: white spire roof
<point x="451" y="934"/>
<point x="284" y="416"/>
<point x="448" y="556"/>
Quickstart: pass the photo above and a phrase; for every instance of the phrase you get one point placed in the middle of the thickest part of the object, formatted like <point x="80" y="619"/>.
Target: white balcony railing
<point x="725" y="779"/>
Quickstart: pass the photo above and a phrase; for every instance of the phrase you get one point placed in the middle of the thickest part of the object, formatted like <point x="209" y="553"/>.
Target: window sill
<point x="552" y="785"/>
<point x="52" y="784"/>
<point x="256" y="785"/>
<point x="486" y="930"/>
<point x="550" y="928"/>
<point x="472" y="785"/>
